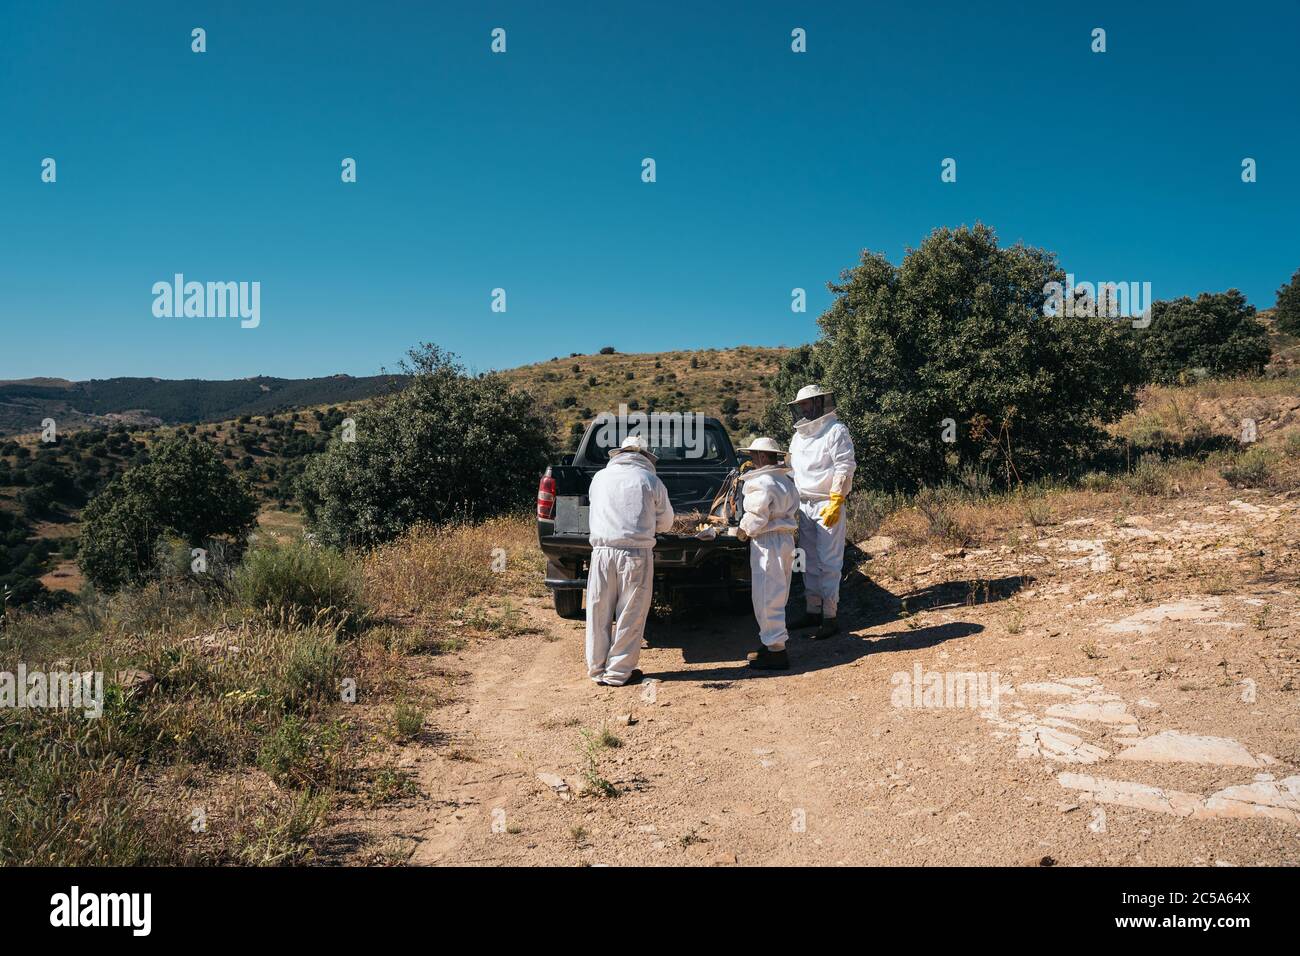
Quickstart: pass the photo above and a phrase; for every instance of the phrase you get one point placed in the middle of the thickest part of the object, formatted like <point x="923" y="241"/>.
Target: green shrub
<point x="408" y="721"/>
<point x="1038" y="511"/>
<point x="450" y="445"/>
<point x="184" y="489"/>
<point x="959" y="332"/>
<point x="311" y="670"/>
<point x="1215" y="335"/>
<point x="300" y="582"/>
<point x="1150" y="477"/>
<point x="1288" y="306"/>
<point x="1097" y="481"/>
<point x="1252" y="469"/>
<point x="278" y="836"/>
<point x="302" y="754"/>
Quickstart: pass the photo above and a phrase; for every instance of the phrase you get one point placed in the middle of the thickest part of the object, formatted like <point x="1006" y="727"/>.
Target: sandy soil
<point x="1147" y="714"/>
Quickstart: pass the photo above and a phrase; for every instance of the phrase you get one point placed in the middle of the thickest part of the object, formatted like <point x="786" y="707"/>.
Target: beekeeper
<point x="821" y="458"/>
<point x="770" y="518"/>
<point x="629" y="506"/>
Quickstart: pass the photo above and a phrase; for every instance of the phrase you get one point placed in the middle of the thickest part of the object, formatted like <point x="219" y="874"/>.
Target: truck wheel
<point x="568" y="603"/>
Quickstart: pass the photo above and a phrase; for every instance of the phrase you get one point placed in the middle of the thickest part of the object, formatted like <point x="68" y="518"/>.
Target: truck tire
<point x="568" y="603"/>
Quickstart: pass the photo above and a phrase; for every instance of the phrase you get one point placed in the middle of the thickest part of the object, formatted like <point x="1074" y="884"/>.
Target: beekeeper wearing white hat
<point x="823" y="463"/>
<point x="771" y="510"/>
<point x="629" y="506"/>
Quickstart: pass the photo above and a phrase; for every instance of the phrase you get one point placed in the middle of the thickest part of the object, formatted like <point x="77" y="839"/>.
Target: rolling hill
<point x="154" y="401"/>
<point x="576" y="388"/>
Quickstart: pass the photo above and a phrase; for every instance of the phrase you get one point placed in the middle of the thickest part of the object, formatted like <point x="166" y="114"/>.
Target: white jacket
<point x="771" y="501"/>
<point x="821" y="454"/>
<point x="629" y="504"/>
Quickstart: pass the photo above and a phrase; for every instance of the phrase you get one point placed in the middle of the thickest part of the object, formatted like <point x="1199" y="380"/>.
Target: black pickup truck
<point x="693" y="477"/>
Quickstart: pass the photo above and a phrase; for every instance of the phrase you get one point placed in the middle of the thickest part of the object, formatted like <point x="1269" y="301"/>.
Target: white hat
<point x="634" y="443"/>
<point x="809" y="391"/>
<point x="764" y="444"/>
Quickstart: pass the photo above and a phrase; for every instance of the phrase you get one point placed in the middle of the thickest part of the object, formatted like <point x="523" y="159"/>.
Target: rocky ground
<point x="1114" y="684"/>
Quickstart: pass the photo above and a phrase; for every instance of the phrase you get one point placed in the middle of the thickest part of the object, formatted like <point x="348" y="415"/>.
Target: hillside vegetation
<point x="45" y="485"/>
<point x="729" y="384"/>
<point x="25" y="404"/>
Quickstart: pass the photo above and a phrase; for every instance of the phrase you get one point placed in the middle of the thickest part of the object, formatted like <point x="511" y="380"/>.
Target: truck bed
<point x="682" y="561"/>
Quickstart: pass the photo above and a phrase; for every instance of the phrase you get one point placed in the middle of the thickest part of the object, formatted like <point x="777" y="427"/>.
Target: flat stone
<point x="134" y="682"/>
<point x="1278" y="800"/>
<point x="1144" y="622"/>
<point x="877" y="545"/>
<point x="1126" y="793"/>
<point x="1171" y="746"/>
<point x="1057" y="722"/>
<point x="1048" y="687"/>
<point x="1058" y="746"/>
<point x="1107" y="712"/>
<point x="1264" y="800"/>
<point x="552" y="780"/>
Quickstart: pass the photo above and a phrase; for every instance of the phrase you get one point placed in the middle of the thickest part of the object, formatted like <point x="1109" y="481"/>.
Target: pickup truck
<point x="683" y="562"/>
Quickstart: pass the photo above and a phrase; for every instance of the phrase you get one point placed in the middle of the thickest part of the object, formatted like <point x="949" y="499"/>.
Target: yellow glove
<point x="830" y="513"/>
<point x="742" y="534"/>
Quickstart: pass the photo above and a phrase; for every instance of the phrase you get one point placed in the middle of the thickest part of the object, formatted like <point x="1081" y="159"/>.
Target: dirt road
<point x="1138" y="670"/>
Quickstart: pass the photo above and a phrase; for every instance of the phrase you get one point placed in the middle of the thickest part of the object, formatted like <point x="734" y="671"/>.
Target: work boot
<point x="829" y="628"/>
<point x="633" y="678"/>
<point x="765" y="660"/>
<point x="804" y="621"/>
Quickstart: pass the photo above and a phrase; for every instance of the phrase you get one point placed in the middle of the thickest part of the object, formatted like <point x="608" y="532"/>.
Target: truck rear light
<point x="546" y="497"/>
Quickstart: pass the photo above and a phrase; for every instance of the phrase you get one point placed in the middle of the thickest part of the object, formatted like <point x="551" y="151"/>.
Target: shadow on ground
<point x="710" y="632"/>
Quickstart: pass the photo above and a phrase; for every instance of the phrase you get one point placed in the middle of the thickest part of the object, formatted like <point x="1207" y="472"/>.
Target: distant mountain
<point x="731" y="384"/>
<point x="25" y="403"/>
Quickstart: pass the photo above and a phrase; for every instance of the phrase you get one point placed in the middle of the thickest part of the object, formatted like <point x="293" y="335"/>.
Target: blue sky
<point x="522" y="170"/>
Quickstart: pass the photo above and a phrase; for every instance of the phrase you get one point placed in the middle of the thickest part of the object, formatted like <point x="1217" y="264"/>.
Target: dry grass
<point x="1166" y="414"/>
<point x="1286" y="385"/>
<point x="432" y="573"/>
<point x="939" y="517"/>
<point x="223" y="695"/>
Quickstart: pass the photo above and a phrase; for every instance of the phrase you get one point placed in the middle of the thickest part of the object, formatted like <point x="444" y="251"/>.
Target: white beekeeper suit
<point x="629" y="505"/>
<point x="771" y="517"/>
<point x="821" y="456"/>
